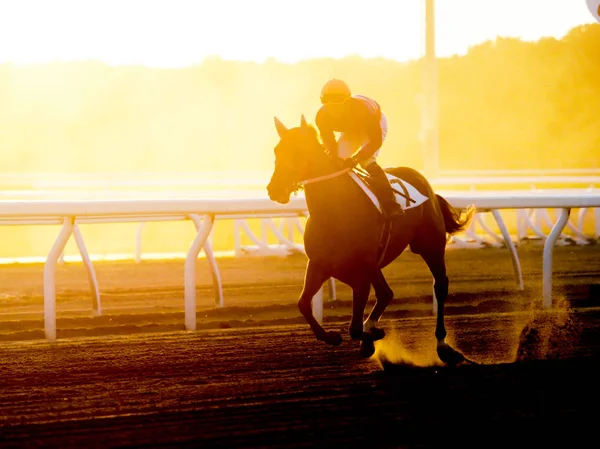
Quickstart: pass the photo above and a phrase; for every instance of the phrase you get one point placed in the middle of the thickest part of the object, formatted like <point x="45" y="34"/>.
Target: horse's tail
<point x="455" y="220"/>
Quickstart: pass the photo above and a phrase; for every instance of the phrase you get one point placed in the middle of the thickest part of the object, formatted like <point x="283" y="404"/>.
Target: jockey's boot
<point x="383" y="190"/>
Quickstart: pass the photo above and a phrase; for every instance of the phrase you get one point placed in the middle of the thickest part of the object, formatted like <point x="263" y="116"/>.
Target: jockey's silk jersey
<point x="360" y="116"/>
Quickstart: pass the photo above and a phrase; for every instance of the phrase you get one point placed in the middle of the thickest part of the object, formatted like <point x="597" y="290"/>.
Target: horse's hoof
<point x="367" y="348"/>
<point x="333" y="338"/>
<point x="356" y="334"/>
<point x="376" y="333"/>
<point x="449" y="355"/>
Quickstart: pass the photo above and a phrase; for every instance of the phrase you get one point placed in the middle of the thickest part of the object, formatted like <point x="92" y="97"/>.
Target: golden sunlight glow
<point x="175" y="33"/>
<point x="191" y="86"/>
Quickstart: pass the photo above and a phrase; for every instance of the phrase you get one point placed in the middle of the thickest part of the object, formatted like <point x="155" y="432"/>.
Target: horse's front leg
<point x="314" y="279"/>
<point x="361" y="287"/>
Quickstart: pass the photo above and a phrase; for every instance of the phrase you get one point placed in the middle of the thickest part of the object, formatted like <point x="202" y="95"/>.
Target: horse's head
<point x="294" y="155"/>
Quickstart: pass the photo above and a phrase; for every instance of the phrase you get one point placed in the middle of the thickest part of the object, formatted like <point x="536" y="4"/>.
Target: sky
<point x="179" y="33"/>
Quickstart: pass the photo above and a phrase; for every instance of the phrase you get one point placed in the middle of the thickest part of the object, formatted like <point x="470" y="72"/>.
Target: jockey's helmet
<point x="335" y="91"/>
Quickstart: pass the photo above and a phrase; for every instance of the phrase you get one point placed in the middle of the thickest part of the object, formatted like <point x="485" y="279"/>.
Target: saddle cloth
<point x="415" y="198"/>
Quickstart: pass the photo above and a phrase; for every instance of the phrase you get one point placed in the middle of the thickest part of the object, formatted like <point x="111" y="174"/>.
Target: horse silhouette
<point x="346" y="237"/>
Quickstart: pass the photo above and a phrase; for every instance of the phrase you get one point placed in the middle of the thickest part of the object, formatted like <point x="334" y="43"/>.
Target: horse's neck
<point x="331" y="197"/>
<point x="322" y="164"/>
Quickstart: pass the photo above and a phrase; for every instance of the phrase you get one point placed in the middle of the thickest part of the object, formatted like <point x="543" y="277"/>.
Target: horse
<point x="347" y="238"/>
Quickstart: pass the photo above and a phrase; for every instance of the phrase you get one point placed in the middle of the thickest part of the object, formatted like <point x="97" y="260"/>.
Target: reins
<point x="324" y="177"/>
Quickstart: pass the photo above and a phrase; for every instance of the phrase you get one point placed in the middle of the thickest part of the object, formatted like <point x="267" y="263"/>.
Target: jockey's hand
<point x="350" y="162"/>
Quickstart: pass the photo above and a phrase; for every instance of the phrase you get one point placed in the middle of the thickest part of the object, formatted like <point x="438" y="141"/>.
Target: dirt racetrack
<point x="253" y="375"/>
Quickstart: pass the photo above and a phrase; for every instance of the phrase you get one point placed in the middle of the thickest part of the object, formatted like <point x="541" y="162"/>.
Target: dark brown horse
<point x="344" y="234"/>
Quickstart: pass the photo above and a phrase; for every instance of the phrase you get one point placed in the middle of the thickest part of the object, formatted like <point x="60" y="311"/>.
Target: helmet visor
<point x="333" y="98"/>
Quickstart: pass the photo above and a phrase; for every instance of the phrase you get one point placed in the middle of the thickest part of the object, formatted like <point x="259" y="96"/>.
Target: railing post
<point x="547" y="258"/>
<point x="138" y="242"/>
<point x="87" y="262"/>
<point x="511" y="247"/>
<point x="190" y="271"/>
<point x="212" y="263"/>
<point x="50" y="277"/>
<point x="237" y="238"/>
<point x="331" y="289"/>
<point x="317" y="306"/>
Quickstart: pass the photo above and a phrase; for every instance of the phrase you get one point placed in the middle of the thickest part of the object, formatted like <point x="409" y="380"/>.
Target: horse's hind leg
<point x="435" y="260"/>
<point x="314" y="279"/>
<point x="384" y="295"/>
<point x="437" y="265"/>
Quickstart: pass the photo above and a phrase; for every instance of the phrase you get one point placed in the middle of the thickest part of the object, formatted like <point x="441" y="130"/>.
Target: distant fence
<point x="203" y="213"/>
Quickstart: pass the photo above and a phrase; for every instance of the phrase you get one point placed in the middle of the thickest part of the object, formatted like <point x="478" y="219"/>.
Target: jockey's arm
<point x="374" y="140"/>
<point x="326" y="132"/>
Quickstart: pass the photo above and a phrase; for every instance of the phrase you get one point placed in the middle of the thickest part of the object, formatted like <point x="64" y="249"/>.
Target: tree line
<point x="505" y="104"/>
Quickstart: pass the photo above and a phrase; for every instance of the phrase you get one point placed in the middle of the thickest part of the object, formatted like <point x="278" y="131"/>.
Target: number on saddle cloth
<point x="395" y="181"/>
<point x="404" y="193"/>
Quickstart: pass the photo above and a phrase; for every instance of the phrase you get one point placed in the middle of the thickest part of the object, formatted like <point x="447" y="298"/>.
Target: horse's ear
<point x="281" y="129"/>
<point x="303" y="123"/>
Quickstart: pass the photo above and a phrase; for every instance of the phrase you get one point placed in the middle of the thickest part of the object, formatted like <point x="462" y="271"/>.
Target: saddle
<point x="406" y="195"/>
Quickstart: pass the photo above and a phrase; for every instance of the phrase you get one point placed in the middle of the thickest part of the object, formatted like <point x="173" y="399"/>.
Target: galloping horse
<point x="346" y="237"/>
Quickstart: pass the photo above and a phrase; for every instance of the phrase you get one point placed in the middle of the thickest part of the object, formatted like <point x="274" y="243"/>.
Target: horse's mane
<point x="316" y="134"/>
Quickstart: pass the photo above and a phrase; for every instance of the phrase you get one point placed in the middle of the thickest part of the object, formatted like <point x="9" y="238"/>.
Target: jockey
<point x="363" y="128"/>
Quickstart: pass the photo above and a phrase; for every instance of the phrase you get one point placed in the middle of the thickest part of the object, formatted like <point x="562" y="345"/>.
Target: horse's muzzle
<point x="279" y="196"/>
<point x="283" y="199"/>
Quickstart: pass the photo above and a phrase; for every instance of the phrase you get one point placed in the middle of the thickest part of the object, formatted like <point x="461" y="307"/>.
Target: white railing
<point x="529" y="223"/>
<point x="204" y="212"/>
